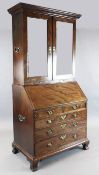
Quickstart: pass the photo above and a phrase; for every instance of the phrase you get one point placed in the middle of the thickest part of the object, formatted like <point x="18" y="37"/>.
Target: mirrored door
<point x="51" y="49"/>
<point x="39" y="49"/>
<point x="63" y="56"/>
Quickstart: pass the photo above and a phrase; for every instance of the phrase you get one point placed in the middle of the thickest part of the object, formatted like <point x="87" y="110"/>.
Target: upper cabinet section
<point x="44" y="42"/>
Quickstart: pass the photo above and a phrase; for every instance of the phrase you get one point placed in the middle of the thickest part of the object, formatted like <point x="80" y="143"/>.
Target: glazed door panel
<point x="64" y="48"/>
<point x="63" y="57"/>
<point x="39" y="49"/>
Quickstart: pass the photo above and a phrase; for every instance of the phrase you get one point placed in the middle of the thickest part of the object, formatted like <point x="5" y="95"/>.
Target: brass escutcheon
<point x="49" y="121"/>
<point x="49" y="144"/>
<point x="75" y="124"/>
<point x="50" y="112"/>
<point x="63" y="125"/>
<point x="75" y="136"/>
<point x="63" y="137"/>
<point x="75" y="106"/>
<point x="49" y="131"/>
<point x="74" y="115"/>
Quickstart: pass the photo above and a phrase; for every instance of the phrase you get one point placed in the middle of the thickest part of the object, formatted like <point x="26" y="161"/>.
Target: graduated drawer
<point x="60" y="128"/>
<point x="44" y="113"/>
<point x="60" y="141"/>
<point x="60" y="118"/>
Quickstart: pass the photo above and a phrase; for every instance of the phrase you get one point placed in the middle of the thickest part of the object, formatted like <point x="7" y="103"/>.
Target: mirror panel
<point x="64" y="40"/>
<point x="37" y="47"/>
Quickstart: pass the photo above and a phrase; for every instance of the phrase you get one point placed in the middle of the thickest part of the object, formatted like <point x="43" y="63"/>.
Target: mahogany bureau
<point x="49" y="112"/>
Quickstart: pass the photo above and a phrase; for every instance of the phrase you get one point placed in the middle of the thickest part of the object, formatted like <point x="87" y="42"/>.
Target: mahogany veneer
<point x="49" y="116"/>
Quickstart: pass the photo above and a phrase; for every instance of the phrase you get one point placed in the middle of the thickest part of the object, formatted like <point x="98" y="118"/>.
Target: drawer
<point x="46" y="113"/>
<point x="60" y="118"/>
<point x="56" y="143"/>
<point x="60" y="128"/>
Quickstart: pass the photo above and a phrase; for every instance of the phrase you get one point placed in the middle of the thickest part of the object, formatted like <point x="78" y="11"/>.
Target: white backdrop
<point x="87" y="53"/>
<point x="6" y="77"/>
<point x="87" y="73"/>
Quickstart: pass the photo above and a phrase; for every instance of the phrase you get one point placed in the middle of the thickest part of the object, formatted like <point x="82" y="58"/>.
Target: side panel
<point x="19" y="26"/>
<point x="23" y="130"/>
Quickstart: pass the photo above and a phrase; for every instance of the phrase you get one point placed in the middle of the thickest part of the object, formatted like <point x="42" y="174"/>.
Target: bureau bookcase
<point x="49" y="107"/>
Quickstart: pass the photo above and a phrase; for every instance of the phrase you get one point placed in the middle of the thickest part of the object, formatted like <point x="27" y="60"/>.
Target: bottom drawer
<point x="63" y="140"/>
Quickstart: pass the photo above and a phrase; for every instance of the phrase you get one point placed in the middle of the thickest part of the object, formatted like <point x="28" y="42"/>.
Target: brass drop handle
<point x="49" y="144"/>
<point x="75" y="136"/>
<point x="75" y="106"/>
<point x="17" y="49"/>
<point x="75" y="124"/>
<point x="74" y="115"/>
<point x="21" y="118"/>
<point x="49" y="121"/>
<point x="63" y="117"/>
<point x="63" y="125"/>
<point x="63" y="137"/>
<point x="50" y="132"/>
<point x="50" y="112"/>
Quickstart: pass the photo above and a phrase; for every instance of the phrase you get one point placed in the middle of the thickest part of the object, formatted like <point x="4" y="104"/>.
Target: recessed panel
<point x="37" y="47"/>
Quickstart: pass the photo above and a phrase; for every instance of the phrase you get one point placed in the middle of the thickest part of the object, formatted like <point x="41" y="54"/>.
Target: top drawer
<point x="58" y="110"/>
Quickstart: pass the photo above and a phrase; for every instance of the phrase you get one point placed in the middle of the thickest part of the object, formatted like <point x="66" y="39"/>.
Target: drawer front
<point x="59" y="142"/>
<point x="58" y="110"/>
<point x="60" y="118"/>
<point x="60" y="128"/>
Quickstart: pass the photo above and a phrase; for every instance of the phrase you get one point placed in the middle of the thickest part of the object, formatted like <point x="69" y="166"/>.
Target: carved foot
<point x="34" y="165"/>
<point x="86" y="145"/>
<point x="15" y="150"/>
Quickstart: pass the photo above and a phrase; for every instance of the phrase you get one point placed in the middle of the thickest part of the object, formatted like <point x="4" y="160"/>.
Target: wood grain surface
<point x="51" y="95"/>
<point x="55" y="143"/>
